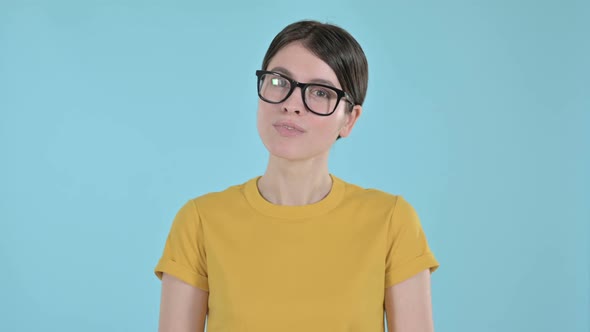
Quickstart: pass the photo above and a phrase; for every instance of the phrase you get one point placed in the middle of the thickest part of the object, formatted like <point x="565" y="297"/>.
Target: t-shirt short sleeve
<point x="184" y="255"/>
<point x="408" y="252"/>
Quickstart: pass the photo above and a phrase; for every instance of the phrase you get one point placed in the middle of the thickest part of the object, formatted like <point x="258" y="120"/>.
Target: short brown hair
<point x="333" y="45"/>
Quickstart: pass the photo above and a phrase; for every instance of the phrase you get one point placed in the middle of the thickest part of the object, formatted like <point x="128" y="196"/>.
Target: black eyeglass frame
<point x="294" y="84"/>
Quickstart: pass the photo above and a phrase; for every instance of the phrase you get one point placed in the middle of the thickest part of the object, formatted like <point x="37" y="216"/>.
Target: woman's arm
<point x="183" y="308"/>
<point x="409" y="305"/>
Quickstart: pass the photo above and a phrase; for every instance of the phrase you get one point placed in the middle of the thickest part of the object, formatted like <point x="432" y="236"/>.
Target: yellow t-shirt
<point x="319" y="267"/>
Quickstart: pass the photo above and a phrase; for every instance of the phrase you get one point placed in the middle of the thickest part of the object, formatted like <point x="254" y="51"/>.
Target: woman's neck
<point x="295" y="182"/>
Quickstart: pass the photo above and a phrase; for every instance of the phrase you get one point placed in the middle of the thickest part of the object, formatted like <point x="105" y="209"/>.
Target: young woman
<point x="299" y="249"/>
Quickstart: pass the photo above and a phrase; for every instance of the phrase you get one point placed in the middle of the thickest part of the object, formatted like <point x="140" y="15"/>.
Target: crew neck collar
<point x="287" y="212"/>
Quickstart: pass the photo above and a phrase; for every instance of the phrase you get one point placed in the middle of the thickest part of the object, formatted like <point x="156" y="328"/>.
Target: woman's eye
<point x="320" y="93"/>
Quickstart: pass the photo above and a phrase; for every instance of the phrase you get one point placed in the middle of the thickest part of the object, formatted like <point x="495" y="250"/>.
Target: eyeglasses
<point x="319" y="99"/>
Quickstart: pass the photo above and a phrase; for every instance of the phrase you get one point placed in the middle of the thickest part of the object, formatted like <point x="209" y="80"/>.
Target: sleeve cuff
<point x="174" y="269"/>
<point x="410" y="269"/>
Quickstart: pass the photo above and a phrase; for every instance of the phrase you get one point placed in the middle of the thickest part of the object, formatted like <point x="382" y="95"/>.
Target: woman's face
<point x="287" y="129"/>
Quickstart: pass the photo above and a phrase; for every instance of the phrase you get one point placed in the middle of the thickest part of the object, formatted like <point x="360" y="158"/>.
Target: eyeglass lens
<point x="317" y="98"/>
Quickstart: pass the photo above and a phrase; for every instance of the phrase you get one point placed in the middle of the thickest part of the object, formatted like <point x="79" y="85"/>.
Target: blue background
<point x="114" y="113"/>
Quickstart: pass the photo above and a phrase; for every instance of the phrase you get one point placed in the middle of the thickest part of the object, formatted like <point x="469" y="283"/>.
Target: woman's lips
<point x="288" y="129"/>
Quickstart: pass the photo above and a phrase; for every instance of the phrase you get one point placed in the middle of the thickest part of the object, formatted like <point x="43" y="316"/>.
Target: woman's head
<point x="328" y="58"/>
<point x="333" y="45"/>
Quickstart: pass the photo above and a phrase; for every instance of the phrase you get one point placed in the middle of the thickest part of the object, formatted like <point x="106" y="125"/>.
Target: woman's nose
<point x="295" y="102"/>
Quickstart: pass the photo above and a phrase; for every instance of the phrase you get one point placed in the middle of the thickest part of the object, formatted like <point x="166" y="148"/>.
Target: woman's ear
<point x="351" y="118"/>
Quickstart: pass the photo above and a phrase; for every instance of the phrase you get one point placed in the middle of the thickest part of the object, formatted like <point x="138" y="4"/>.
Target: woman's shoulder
<point x="358" y="192"/>
<point x="376" y="199"/>
<point x="221" y="197"/>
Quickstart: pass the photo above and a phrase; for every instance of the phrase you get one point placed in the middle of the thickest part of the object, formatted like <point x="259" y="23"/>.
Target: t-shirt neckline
<point x="286" y="212"/>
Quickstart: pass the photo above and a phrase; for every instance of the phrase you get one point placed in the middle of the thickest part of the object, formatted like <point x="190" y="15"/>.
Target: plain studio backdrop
<point x="114" y="113"/>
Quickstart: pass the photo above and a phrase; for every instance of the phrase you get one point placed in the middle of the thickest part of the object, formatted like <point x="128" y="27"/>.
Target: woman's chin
<point x="292" y="150"/>
<point x="288" y="153"/>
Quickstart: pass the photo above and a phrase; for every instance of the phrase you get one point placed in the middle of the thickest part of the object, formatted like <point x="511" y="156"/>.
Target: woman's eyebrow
<point x="285" y="71"/>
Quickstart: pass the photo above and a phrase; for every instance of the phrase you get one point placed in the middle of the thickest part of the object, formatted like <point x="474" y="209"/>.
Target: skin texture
<point x="408" y="305"/>
<point x="183" y="308"/>
<point x="297" y="174"/>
